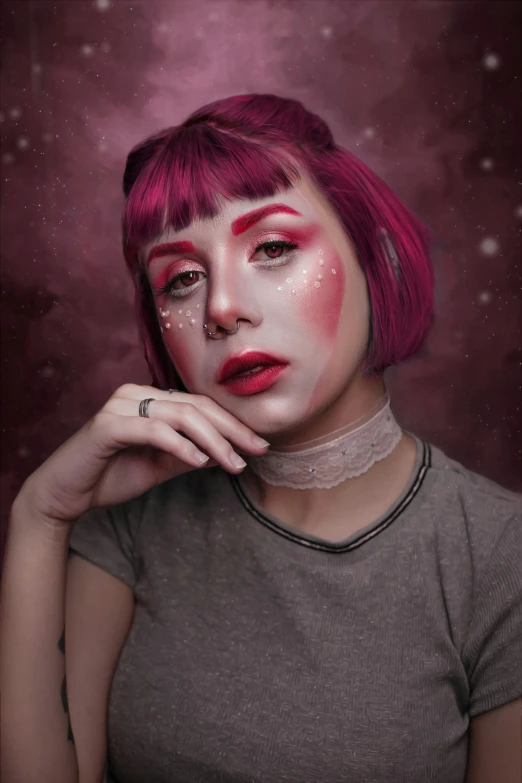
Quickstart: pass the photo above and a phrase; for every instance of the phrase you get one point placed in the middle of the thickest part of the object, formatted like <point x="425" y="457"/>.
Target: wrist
<point x="26" y="516"/>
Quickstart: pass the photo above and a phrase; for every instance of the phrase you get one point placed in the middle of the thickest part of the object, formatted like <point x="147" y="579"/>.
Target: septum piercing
<point x="228" y="331"/>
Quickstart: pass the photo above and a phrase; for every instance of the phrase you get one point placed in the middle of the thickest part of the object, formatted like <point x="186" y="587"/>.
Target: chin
<point x="269" y="418"/>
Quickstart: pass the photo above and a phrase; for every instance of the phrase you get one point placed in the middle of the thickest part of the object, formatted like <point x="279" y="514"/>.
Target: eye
<point x="188" y="281"/>
<point x="276" y="246"/>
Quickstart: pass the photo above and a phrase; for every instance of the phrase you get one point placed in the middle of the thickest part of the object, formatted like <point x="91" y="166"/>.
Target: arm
<point x="495" y="750"/>
<point x="99" y="613"/>
<point x="37" y="743"/>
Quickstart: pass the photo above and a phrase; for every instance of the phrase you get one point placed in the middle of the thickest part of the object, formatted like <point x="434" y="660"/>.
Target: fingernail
<point x="236" y="461"/>
<point x="259" y="441"/>
<point x="200" y="458"/>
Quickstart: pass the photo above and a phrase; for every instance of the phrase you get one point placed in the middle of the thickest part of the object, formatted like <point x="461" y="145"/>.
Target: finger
<point x="186" y="418"/>
<point x="229" y="426"/>
<point x="112" y="432"/>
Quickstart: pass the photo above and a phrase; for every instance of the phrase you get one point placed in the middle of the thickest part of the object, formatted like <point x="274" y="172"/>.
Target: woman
<point x="345" y="605"/>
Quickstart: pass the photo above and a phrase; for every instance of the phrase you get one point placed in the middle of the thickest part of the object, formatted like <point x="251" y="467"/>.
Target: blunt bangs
<point x="193" y="171"/>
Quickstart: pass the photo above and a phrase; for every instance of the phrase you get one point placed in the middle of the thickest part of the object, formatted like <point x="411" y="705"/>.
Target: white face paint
<point x="305" y="302"/>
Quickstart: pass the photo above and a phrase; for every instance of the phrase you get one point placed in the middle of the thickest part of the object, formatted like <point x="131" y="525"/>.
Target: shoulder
<point x="470" y="487"/>
<point x="473" y="507"/>
<point x="477" y="536"/>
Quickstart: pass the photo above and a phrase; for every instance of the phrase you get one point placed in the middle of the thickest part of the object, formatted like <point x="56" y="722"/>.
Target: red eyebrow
<point x="168" y="248"/>
<point x="239" y="225"/>
<point x="244" y="222"/>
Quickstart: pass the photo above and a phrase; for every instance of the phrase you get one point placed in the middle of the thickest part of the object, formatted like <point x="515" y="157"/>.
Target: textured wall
<point x="426" y="93"/>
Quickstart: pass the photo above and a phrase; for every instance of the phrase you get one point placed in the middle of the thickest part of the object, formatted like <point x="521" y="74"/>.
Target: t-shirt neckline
<point x="423" y="461"/>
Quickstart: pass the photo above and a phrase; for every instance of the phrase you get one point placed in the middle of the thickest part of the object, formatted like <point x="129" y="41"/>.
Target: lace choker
<point x="326" y="461"/>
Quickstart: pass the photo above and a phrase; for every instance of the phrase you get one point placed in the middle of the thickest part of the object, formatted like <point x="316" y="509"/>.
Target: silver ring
<point x="228" y="331"/>
<point x="144" y="408"/>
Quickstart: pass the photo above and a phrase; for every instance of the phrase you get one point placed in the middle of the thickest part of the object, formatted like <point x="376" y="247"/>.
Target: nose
<point x="230" y="300"/>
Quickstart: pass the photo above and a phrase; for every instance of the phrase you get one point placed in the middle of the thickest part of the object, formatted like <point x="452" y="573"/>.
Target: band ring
<point x="144" y="408"/>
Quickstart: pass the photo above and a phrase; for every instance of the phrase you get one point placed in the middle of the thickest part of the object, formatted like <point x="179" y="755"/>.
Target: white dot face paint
<point x="319" y="329"/>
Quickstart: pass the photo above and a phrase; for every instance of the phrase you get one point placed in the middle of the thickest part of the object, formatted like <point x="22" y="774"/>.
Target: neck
<point x="303" y="507"/>
<point x="355" y="401"/>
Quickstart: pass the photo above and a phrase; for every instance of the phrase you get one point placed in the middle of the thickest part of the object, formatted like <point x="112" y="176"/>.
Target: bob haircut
<point x="253" y="146"/>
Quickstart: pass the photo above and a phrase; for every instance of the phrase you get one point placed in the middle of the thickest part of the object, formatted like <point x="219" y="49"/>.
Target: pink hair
<point x="252" y="146"/>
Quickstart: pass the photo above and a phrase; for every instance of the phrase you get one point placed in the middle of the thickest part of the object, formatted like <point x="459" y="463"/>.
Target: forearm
<point x="37" y="742"/>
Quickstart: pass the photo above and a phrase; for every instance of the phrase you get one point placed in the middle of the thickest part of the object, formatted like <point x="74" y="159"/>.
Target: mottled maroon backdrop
<point x="426" y="93"/>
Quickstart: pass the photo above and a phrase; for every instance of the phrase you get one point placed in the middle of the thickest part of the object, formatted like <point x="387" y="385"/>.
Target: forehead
<point x="304" y="197"/>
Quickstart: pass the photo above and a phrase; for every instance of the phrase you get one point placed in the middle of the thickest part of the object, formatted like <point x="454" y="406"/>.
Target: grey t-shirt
<point x="261" y="654"/>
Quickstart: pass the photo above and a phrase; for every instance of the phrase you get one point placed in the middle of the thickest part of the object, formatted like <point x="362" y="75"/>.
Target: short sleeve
<point x="106" y="536"/>
<point x="493" y="650"/>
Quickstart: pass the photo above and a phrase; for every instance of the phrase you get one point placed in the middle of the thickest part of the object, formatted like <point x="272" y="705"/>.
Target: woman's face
<point x="301" y="299"/>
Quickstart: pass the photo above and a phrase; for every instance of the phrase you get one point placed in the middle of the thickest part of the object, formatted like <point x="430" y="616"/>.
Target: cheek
<point x="321" y="305"/>
<point x="182" y="331"/>
<point x="182" y="357"/>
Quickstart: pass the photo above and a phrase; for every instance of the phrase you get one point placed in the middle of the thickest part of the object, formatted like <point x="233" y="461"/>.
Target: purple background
<point x="426" y="93"/>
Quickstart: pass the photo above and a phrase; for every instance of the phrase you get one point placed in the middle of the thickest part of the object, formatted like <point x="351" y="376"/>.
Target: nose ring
<point x="228" y="331"/>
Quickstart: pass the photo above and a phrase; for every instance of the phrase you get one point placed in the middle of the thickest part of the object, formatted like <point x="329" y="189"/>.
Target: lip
<point x="246" y="361"/>
<point x="255" y="382"/>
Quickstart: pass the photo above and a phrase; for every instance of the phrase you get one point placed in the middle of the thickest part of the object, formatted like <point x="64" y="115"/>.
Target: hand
<point x="118" y="455"/>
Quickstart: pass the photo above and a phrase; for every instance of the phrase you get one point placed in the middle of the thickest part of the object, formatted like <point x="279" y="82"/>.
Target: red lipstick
<point x="262" y="371"/>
